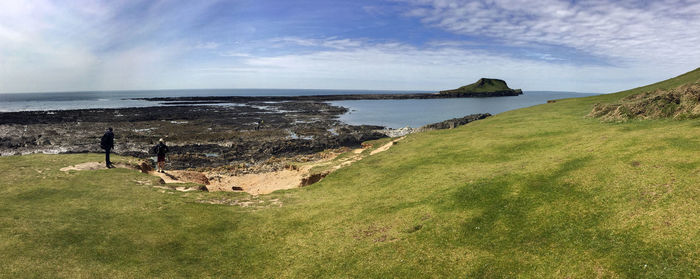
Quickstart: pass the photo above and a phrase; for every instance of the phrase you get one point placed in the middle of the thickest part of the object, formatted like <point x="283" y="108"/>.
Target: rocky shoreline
<point x="199" y="136"/>
<point x="324" y="98"/>
<point x="447" y="124"/>
<point x="247" y="135"/>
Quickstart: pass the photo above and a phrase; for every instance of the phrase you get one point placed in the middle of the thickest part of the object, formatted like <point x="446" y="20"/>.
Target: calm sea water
<point x="416" y="113"/>
<point x="390" y="113"/>
<point x="119" y="99"/>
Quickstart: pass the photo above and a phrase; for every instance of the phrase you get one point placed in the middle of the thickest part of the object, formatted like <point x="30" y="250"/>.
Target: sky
<point x="583" y="46"/>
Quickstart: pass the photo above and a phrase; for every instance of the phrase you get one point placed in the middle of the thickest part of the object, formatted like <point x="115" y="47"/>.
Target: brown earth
<point x="252" y="183"/>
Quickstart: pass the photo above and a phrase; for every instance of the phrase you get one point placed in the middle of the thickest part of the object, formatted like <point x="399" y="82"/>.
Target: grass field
<point x="540" y="192"/>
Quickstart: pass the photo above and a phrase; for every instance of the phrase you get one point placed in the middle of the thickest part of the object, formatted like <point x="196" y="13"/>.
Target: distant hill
<point x="484" y="87"/>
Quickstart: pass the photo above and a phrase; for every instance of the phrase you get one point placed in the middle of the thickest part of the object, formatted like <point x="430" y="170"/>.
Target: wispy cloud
<point x="402" y="66"/>
<point x="51" y="45"/>
<point x="207" y="45"/>
<point x="234" y="54"/>
<point x="660" y="31"/>
<point x="331" y="42"/>
<point x="85" y="45"/>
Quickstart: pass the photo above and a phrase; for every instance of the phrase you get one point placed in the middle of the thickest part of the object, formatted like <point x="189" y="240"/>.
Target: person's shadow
<point x="169" y="175"/>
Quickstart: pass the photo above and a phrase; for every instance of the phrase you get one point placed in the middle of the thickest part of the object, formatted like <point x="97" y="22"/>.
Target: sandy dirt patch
<point x="261" y="183"/>
<point x="265" y="183"/>
<point x="180" y="176"/>
<point x="254" y="183"/>
<point x="385" y="147"/>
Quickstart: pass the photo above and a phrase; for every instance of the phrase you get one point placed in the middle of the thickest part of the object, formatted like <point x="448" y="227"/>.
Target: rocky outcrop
<point x="455" y="122"/>
<point x="447" y="124"/>
<point x="400" y="132"/>
<point x="193" y="176"/>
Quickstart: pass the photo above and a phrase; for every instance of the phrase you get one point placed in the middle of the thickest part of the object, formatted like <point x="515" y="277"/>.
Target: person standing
<point x="107" y="143"/>
<point x="161" y="149"/>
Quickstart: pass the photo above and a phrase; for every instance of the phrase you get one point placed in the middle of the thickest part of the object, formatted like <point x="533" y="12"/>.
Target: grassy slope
<point x="689" y="77"/>
<point x="536" y="192"/>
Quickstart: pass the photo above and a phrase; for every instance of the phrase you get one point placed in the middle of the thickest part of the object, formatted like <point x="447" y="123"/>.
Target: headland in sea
<point x="321" y="98"/>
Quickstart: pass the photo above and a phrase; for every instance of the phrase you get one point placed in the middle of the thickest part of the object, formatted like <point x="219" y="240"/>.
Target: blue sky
<point x="585" y="46"/>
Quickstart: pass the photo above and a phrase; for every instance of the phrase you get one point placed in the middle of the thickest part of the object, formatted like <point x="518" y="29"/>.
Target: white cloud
<point x="400" y="66"/>
<point x="651" y="31"/>
<point x="331" y="42"/>
<point x="86" y="45"/>
<point x="234" y="54"/>
<point x="49" y="45"/>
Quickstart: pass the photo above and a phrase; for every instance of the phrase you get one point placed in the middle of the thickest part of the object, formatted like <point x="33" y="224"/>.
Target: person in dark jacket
<point x="161" y="149"/>
<point x="107" y="143"/>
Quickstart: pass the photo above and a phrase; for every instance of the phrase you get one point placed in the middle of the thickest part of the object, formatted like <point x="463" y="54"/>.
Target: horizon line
<point x="202" y="89"/>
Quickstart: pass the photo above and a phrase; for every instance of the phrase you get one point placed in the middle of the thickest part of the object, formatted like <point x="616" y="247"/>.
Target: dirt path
<point x="385" y="147"/>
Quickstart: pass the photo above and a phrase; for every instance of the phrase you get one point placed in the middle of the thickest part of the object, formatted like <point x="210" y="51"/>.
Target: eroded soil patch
<point x="254" y="183"/>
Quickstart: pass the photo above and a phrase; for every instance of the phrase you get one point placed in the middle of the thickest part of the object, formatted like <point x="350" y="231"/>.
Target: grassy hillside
<point x="677" y="98"/>
<point x="687" y="78"/>
<point x="540" y="192"/>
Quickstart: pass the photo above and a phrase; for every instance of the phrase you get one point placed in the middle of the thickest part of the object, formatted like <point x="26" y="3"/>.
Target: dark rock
<point x="456" y="122"/>
<point x="145" y="167"/>
<point x="193" y="176"/>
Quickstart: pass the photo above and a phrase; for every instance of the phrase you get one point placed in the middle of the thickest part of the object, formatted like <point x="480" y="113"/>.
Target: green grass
<point x="540" y="192"/>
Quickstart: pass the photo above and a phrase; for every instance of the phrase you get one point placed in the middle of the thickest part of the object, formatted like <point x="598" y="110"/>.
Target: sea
<point x="389" y="113"/>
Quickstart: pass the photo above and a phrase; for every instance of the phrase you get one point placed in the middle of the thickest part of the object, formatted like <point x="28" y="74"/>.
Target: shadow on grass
<point x="526" y="221"/>
<point x="685" y="144"/>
